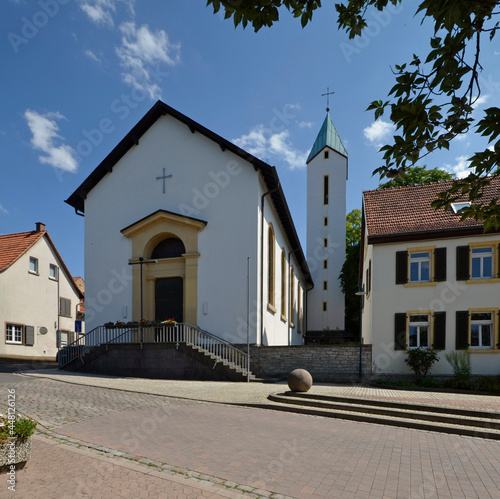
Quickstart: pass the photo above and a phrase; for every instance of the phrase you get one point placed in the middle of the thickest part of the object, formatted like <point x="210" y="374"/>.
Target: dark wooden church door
<point x="169" y="299"/>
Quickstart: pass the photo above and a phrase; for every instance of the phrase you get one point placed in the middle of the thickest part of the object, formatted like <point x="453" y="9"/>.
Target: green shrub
<point x="460" y="363"/>
<point x="488" y="384"/>
<point x="420" y="361"/>
<point x="430" y="383"/>
<point x="23" y="428"/>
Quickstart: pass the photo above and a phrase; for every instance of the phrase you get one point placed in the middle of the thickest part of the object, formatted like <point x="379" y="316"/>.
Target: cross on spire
<point x="328" y="93"/>
<point x="163" y="177"/>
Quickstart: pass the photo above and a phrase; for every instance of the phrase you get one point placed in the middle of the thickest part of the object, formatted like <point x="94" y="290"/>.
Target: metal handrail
<point x="182" y="332"/>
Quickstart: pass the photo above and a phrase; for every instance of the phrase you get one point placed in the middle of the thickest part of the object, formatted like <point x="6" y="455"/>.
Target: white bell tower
<point x="326" y="212"/>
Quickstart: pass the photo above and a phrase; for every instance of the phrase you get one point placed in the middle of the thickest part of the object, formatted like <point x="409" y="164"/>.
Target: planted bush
<point x="420" y="361"/>
<point x="460" y="363"/>
<point x="22" y="429"/>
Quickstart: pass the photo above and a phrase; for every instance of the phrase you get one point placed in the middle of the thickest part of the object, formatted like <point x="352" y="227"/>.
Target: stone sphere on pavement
<point x="300" y="380"/>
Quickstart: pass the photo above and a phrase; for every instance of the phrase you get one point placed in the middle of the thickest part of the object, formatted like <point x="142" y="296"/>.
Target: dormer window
<point x="456" y="207"/>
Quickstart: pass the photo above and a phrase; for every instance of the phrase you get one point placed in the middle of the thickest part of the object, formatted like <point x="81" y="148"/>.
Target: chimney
<point x="40" y="227"/>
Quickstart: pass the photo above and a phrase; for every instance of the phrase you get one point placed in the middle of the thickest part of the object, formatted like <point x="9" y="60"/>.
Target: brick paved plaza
<point x="98" y="442"/>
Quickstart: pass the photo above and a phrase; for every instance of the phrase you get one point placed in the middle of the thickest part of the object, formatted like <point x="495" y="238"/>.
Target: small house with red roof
<point x="39" y="299"/>
<point x="430" y="280"/>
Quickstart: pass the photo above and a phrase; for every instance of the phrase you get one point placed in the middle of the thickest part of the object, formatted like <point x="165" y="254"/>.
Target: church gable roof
<point x="405" y="213"/>
<point x="327" y="137"/>
<point x="268" y="172"/>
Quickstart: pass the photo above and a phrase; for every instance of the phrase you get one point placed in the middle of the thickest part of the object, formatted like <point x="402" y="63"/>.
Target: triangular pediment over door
<point x="147" y="235"/>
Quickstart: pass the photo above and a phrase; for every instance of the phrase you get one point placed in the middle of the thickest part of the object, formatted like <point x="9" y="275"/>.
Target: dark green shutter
<point x="399" y="331"/>
<point x="439" y="331"/>
<point x="401" y="267"/>
<point x="440" y="264"/>
<point x="462" y="330"/>
<point x="462" y="263"/>
<point x="29" y="332"/>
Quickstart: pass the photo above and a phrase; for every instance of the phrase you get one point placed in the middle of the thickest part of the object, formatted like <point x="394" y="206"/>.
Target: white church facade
<point x="180" y="223"/>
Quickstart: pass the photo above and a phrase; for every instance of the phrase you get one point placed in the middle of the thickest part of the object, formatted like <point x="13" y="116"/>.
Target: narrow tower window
<point x="325" y="285"/>
<point x="326" y="189"/>
<point x="325" y="221"/>
<point x="326" y="154"/>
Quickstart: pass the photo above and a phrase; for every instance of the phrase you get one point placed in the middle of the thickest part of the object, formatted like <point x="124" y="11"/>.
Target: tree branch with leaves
<point x="433" y="98"/>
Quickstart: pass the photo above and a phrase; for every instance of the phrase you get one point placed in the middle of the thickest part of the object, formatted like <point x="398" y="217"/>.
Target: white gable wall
<point x="207" y="183"/>
<point x="32" y="300"/>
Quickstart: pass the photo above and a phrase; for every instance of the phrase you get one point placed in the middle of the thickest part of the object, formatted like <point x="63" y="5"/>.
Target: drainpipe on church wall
<point x="262" y="262"/>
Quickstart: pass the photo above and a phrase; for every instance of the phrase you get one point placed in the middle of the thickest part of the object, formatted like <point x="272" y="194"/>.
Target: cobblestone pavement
<point x="230" y="449"/>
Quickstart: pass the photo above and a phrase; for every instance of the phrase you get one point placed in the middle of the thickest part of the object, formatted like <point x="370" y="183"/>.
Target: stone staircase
<point x="90" y="350"/>
<point x="465" y="422"/>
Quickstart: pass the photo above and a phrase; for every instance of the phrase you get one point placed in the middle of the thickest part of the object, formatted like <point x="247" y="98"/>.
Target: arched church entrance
<point x="171" y="284"/>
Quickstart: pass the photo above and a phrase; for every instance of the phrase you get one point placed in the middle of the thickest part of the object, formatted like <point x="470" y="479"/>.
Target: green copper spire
<point x="327" y="136"/>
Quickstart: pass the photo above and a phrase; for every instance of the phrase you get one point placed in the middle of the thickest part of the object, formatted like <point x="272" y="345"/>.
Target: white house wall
<point x="451" y="296"/>
<point x="32" y="300"/>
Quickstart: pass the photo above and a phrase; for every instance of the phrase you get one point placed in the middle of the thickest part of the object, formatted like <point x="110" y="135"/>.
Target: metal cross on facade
<point x="163" y="177"/>
<point x="328" y="93"/>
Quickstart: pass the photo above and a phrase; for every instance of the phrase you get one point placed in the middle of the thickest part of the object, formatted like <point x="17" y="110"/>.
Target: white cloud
<point x="92" y="56"/>
<point x="3" y="210"/>
<point x="140" y="50"/>
<point x="460" y="169"/>
<point x="262" y="142"/>
<point x="99" y="11"/>
<point x="44" y="129"/>
<point x="305" y="124"/>
<point x="379" y="132"/>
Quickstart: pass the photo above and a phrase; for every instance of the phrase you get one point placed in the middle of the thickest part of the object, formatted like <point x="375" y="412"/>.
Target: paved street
<point x="99" y="442"/>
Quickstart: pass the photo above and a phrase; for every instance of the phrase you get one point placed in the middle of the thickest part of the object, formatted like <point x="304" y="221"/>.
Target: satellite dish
<point x="43" y="330"/>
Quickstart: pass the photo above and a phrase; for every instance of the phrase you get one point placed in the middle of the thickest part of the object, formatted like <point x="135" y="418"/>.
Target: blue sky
<point x="77" y="75"/>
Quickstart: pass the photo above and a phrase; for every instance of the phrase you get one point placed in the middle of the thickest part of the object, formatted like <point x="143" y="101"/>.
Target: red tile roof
<point x="407" y="210"/>
<point x="13" y="246"/>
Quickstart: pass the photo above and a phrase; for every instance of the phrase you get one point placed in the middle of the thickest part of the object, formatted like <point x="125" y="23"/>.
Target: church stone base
<point x="326" y="363"/>
<point x="156" y="360"/>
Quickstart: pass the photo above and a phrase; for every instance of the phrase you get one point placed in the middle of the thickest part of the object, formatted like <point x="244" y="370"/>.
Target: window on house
<point x="14" y="333"/>
<point x="65" y="307"/>
<point x="283" y="285"/>
<point x="292" y="297"/>
<point x="325" y="285"/>
<point x="420" y="267"/>
<point x="33" y="265"/>
<point x="53" y="271"/>
<point x="325" y="306"/>
<point x="325" y="221"/>
<point x="325" y="264"/>
<point x="299" y="308"/>
<point x="422" y="329"/>
<point x="418" y="331"/>
<point x="325" y="242"/>
<point x="326" y="188"/>
<point x="270" y="267"/>
<point x="482" y="263"/>
<point x="481" y="330"/>
<point x="326" y="154"/>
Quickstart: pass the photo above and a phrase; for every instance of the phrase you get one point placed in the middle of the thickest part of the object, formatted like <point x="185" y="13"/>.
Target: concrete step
<point x="444" y="420"/>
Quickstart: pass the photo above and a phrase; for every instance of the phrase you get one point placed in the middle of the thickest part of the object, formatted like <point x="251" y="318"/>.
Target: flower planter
<point x="14" y="452"/>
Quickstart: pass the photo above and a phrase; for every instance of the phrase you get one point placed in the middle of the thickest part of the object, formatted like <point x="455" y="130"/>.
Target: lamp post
<point x="141" y="262"/>
<point x="361" y="293"/>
